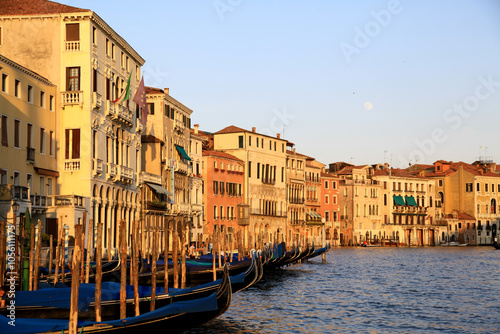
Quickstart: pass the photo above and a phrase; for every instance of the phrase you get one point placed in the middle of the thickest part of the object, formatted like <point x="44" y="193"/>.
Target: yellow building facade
<point x="28" y="141"/>
<point x="265" y="180"/>
<point x="98" y="155"/>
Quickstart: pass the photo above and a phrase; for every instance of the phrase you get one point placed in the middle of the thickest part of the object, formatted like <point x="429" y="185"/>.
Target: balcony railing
<point x="19" y="192"/>
<point x="269" y="180"/>
<point x="96" y="100"/>
<point x="126" y="173"/>
<point x="98" y="166"/>
<point x="148" y="177"/>
<point x="38" y="201"/>
<point x="72" y="46"/>
<point x="65" y="200"/>
<point x="123" y="114"/>
<point x="111" y="170"/>
<point x="181" y="208"/>
<point x="30" y="155"/>
<point x="344" y="217"/>
<point x="262" y="212"/>
<point x="72" y="165"/>
<point x="297" y="201"/>
<point x="181" y="167"/>
<point x="110" y="108"/>
<point x="71" y="98"/>
<point x="138" y="125"/>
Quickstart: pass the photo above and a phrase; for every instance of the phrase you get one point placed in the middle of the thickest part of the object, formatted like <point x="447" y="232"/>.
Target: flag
<point x="126" y="93"/>
<point x="140" y="99"/>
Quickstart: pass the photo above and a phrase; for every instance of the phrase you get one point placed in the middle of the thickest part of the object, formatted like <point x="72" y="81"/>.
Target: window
<point x="51" y="143"/>
<point x="326" y="184"/>
<point x="221" y="212"/>
<point x="107" y="48"/>
<point x="5" y="136"/>
<point x="72" y="31"/>
<point x="215" y="212"/>
<point x="42" y="99"/>
<point x="51" y="103"/>
<point x="151" y="108"/>
<point x="468" y="187"/>
<point x="17" y="88"/>
<point x="270" y="146"/>
<point x="122" y="60"/>
<point x="29" y="136"/>
<point x="477" y="187"/>
<point x="249" y="140"/>
<point x="240" y="139"/>
<point x="72" y="78"/>
<point x="17" y="133"/>
<point x="94" y="35"/>
<point x="262" y="142"/>
<point x="42" y="140"/>
<point x="334" y="185"/>
<point x="257" y="140"/>
<point x="167" y="110"/>
<point x="327" y="216"/>
<point x="326" y="199"/>
<point x="228" y="214"/>
<point x="249" y="169"/>
<point x="334" y="199"/>
<point x="275" y="146"/>
<point x="112" y="51"/>
<point x="282" y="174"/>
<point x="4" y="82"/>
<point x="30" y="94"/>
<point x="172" y="113"/>
<point x="221" y="187"/>
<point x="72" y="146"/>
<point x="216" y="187"/>
<point x="258" y="169"/>
<point x="486" y="187"/>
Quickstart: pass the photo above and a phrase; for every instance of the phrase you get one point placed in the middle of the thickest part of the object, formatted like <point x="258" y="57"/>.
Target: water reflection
<point x="377" y="290"/>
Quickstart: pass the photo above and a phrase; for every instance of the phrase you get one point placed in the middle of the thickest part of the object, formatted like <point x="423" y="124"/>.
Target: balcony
<point x="297" y="201"/>
<point x="111" y="170"/>
<point x="72" y="165"/>
<point x="262" y="212"/>
<point x="344" y="217"/>
<point x="72" y="46"/>
<point x="110" y="108"/>
<point x="96" y="100"/>
<point x="179" y="125"/>
<point x="72" y="98"/>
<point x="97" y="167"/>
<point x="65" y="200"/>
<point x="148" y="177"/>
<point x="268" y="180"/>
<point x="181" y="167"/>
<point x="157" y="206"/>
<point x="181" y="208"/>
<point x="126" y="174"/>
<point x="38" y="203"/>
<point x="13" y="192"/>
<point x="30" y="156"/>
<point x="138" y="125"/>
<point x="123" y="114"/>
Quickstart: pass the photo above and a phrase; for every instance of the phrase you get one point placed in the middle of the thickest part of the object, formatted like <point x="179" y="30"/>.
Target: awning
<point x="159" y="189"/>
<point x="410" y="200"/>
<point x="48" y="172"/>
<point x="398" y="200"/>
<point x="182" y="152"/>
<point x="3" y="171"/>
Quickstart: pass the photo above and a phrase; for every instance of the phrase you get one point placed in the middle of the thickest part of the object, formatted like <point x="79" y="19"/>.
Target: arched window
<point x="493" y="206"/>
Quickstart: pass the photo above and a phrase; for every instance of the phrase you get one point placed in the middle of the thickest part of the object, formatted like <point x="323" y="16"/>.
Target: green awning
<point x="159" y="189"/>
<point x="398" y="200"/>
<point x="182" y="152"/>
<point x="410" y="200"/>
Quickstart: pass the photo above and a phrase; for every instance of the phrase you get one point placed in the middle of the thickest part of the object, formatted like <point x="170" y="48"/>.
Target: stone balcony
<point x="96" y="100"/>
<point x="72" y="46"/>
<point x="148" y="177"/>
<point x="71" y="98"/>
<point x="97" y="167"/>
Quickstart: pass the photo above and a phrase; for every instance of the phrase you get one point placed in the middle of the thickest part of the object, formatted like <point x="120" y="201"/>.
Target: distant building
<point x="223" y="194"/>
<point x="296" y="193"/>
<point x="265" y="180"/>
<point x="329" y="209"/>
<point x="314" y="220"/>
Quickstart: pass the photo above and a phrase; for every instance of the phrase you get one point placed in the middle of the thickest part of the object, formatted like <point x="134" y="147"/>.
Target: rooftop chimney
<point x="166" y="91"/>
<point x="278" y="135"/>
<point x="196" y="126"/>
<point x="293" y="149"/>
<point x="254" y="129"/>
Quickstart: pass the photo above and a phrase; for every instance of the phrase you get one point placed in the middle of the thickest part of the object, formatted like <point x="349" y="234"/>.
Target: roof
<point x="221" y="155"/>
<point x="455" y="166"/>
<point x="460" y="215"/>
<point x="231" y="129"/>
<point x="395" y="172"/>
<point x="33" y="7"/>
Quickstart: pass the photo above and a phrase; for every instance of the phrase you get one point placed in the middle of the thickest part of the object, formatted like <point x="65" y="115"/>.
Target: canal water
<point x="373" y="290"/>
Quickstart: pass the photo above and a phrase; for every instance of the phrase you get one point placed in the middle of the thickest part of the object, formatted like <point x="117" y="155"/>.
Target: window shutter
<point x="66" y="149"/>
<point x="5" y="141"/>
<point x="73" y="32"/>
<point x="76" y="144"/>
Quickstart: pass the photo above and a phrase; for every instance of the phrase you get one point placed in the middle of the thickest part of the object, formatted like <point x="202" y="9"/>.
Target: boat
<point x="175" y="316"/>
<point x="452" y="244"/>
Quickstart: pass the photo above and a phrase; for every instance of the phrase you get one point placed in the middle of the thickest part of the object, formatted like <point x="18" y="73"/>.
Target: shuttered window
<point x="72" y="146"/>
<point x="73" y="32"/>
<point x="5" y="140"/>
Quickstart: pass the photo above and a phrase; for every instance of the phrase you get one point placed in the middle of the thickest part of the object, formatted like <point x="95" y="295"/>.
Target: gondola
<point x="175" y="316"/>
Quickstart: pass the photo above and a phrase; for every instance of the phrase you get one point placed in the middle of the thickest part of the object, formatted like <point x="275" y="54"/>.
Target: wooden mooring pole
<point x="135" y="262"/>
<point x="153" y="270"/>
<point x="75" y="282"/>
<point x="31" y="256"/>
<point x="89" y="246"/>
<point x="38" y="255"/>
<point x="123" y="277"/>
<point x="98" y="273"/>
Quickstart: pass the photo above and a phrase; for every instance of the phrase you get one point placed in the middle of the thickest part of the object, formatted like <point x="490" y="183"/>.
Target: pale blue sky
<point x="248" y="63"/>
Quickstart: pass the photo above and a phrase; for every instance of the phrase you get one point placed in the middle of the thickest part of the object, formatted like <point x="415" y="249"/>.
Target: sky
<point x="365" y="82"/>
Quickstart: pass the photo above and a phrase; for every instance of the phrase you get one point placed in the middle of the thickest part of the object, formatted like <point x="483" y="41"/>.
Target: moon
<point x="368" y="105"/>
